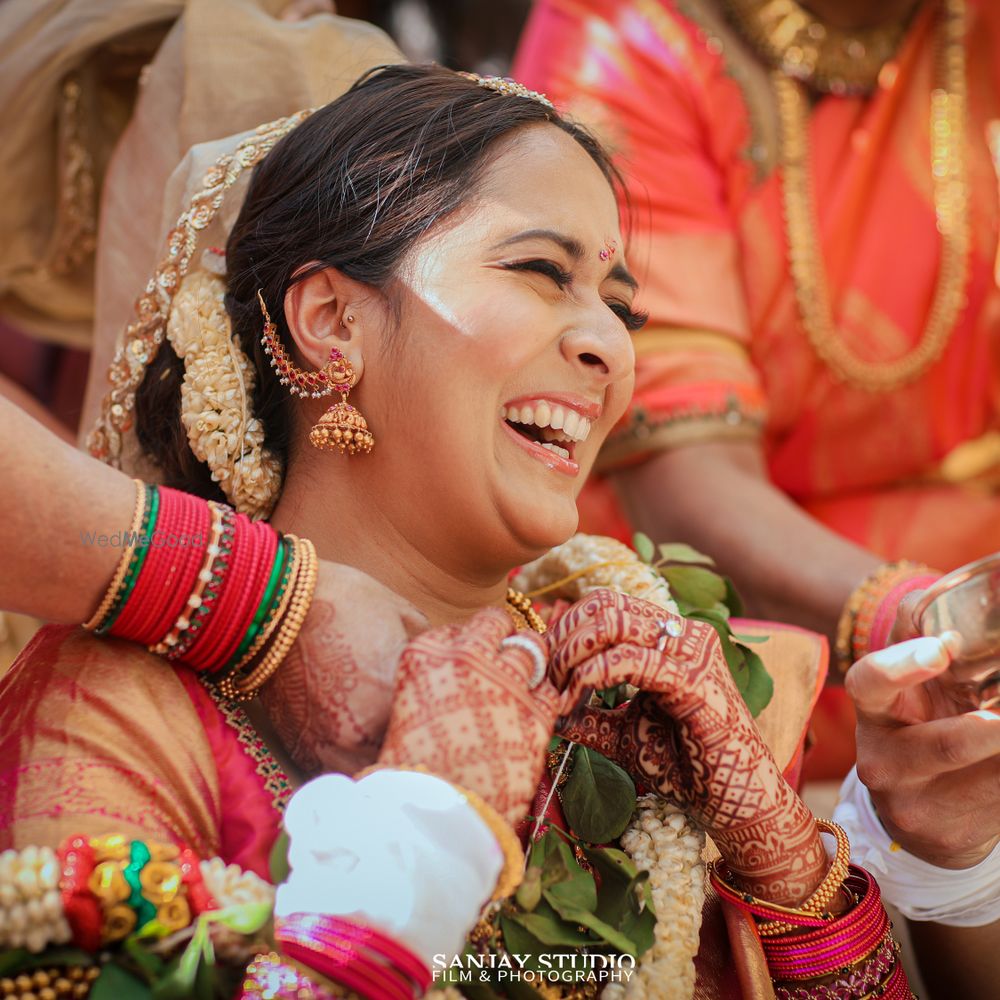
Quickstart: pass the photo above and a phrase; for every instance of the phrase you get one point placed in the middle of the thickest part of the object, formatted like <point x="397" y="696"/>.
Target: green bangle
<point x="264" y="608"/>
<point x="137" y="560"/>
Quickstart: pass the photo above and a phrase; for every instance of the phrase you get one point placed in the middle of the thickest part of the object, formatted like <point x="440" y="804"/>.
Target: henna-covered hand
<point x="688" y="735"/>
<point x="463" y="710"/>
<point x="330" y="701"/>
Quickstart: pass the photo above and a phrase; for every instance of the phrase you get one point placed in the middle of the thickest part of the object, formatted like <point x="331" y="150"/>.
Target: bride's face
<point x="511" y="358"/>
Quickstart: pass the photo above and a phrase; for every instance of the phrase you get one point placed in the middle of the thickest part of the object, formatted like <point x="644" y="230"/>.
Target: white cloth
<point x="398" y="850"/>
<point x="961" y="897"/>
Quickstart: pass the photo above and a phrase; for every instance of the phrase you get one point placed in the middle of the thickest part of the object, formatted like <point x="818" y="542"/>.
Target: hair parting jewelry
<point x="508" y="88"/>
<point x="341" y="428"/>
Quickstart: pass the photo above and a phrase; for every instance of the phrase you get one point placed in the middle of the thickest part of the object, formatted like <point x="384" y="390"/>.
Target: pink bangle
<point x="885" y="615"/>
<point x="844" y="942"/>
<point x="354" y="955"/>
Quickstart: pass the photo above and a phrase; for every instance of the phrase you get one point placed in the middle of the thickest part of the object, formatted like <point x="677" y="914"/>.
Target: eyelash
<point x="632" y="319"/>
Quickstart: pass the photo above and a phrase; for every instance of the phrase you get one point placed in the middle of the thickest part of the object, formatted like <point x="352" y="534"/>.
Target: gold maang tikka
<point x="342" y="427"/>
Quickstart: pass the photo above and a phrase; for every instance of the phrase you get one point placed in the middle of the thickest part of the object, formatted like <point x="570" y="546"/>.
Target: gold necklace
<point x="519" y="607"/>
<point x="949" y="177"/>
<point x="823" y="57"/>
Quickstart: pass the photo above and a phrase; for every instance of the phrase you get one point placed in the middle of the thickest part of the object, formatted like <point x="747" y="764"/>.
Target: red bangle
<point x="231" y="596"/>
<point x="265" y="543"/>
<point x="169" y="572"/>
<point x="193" y="639"/>
<point x="149" y="595"/>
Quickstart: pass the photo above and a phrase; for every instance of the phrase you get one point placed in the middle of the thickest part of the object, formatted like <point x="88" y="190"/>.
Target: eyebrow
<point x="572" y="246"/>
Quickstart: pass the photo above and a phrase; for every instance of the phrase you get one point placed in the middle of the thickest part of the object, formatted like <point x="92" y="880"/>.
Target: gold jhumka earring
<point x="342" y="427"/>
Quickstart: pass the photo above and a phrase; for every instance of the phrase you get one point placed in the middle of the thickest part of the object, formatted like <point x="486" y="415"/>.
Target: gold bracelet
<point x="821" y="897"/>
<point x="291" y="572"/>
<point x="116" y="581"/>
<point x="512" y="873"/>
<point x="291" y="625"/>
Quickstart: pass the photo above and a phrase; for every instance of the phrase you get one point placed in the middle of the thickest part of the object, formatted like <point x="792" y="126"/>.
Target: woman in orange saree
<point x="813" y="336"/>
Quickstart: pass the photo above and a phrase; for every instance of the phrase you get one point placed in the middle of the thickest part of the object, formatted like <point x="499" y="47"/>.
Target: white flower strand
<point x="31" y="907"/>
<point x="610" y="565"/>
<point x="660" y="839"/>
<point x="218" y="382"/>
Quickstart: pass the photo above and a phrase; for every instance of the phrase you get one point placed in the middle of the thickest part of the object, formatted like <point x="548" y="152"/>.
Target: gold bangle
<point x="122" y="569"/>
<point x="291" y="625"/>
<point x="292" y="571"/>
<point x="816" y="904"/>
<point x="512" y="873"/>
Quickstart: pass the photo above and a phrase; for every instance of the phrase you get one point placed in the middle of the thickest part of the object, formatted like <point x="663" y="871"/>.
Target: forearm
<point x="956" y="961"/>
<point x="717" y="497"/>
<point x="56" y="501"/>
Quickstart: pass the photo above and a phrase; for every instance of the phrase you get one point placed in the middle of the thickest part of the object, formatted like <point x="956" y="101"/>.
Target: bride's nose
<point x="602" y="349"/>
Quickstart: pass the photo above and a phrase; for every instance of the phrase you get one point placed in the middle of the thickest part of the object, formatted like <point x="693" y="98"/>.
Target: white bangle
<point x="960" y="897"/>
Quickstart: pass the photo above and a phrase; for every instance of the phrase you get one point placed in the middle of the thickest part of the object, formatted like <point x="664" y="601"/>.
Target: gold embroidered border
<point x="275" y="780"/>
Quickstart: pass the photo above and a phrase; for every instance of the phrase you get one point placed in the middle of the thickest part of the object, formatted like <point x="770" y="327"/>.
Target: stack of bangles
<point x="95" y="892"/>
<point x="814" y="955"/>
<point x="200" y="583"/>
<point x="870" y="612"/>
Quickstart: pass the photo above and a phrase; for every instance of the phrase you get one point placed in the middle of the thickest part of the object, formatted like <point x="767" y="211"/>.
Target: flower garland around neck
<point x="652" y="885"/>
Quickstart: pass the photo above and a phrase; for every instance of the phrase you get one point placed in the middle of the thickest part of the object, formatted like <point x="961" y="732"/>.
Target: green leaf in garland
<point x="599" y="797"/>
<point x="695" y="585"/>
<point x="618" y="899"/>
<point x="546" y="930"/>
<point x="114" y="983"/>
<point x="644" y="547"/>
<point x="149" y="964"/>
<point x="680" y="553"/>
<point x="759" y="688"/>
<point x="17" y="960"/>
<point x="733" y="601"/>
<point x="529" y="892"/>
<point x="278" y="861"/>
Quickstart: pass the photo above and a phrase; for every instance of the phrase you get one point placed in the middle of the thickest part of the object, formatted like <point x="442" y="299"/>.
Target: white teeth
<point x="550" y="417"/>
<point x="555" y="448"/>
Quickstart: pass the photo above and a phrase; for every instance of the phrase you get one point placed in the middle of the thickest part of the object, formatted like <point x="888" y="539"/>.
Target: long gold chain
<point x="949" y="175"/>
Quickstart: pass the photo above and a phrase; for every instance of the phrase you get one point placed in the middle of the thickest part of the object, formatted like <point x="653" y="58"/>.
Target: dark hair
<point x="352" y="187"/>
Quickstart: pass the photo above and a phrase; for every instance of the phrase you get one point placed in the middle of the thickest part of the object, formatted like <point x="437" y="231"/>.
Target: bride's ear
<point x="328" y="309"/>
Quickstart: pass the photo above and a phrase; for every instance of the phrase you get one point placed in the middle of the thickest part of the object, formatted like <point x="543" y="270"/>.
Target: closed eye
<point x="631" y="319"/>
<point x="547" y="267"/>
